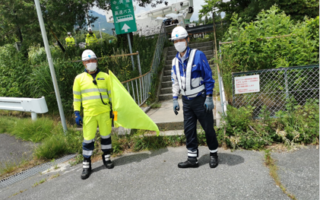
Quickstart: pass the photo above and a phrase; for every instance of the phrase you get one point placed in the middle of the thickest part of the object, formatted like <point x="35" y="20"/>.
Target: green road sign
<point x="123" y="16"/>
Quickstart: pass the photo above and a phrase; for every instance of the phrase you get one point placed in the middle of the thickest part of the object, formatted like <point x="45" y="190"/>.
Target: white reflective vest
<point x="188" y="89"/>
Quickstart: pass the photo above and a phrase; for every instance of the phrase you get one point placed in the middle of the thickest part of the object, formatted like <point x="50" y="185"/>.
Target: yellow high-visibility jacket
<point x="91" y="39"/>
<point x="70" y="41"/>
<point x="87" y="93"/>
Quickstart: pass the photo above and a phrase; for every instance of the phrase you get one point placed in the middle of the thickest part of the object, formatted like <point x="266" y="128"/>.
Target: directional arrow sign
<point x="123" y="16"/>
<point x="125" y="27"/>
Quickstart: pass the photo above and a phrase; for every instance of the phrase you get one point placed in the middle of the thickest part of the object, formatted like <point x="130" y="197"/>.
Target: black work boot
<point x="213" y="160"/>
<point x="86" y="168"/>
<point x="191" y="162"/>
<point x="106" y="161"/>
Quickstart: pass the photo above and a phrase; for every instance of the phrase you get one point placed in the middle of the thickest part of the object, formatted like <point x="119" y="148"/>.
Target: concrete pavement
<point x="155" y="175"/>
<point x="14" y="150"/>
<point x="165" y="118"/>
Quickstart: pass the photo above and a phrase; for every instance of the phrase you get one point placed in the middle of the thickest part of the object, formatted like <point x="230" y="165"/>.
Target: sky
<point x="197" y="5"/>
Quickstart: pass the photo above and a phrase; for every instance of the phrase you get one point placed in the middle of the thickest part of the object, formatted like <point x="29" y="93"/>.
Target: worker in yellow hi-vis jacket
<point x="91" y="38"/>
<point x="92" y="89"/>
<point x="70" y="40"/>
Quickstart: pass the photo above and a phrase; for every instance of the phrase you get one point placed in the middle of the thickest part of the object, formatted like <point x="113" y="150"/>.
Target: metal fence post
<point x="139" y="66"/>
<point x="233" y="96"/>
<point x="286" y="83"/>
<point x="33" y="116"/>
<point x="130" y="50"/>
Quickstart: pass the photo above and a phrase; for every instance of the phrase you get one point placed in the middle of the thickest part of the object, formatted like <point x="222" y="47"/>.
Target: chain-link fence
<point x="278" y="86"/>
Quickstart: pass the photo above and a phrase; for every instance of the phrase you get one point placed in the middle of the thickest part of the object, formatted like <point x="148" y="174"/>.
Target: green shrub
<point x="59" y="144"/>
<point x="298" y="124"/>
<point x="34" y="131"/>
<point x="252" y="50"/>
<point x="14" y="70"/>
<point x="52" y="147"/>
<point x="6" y="124"/>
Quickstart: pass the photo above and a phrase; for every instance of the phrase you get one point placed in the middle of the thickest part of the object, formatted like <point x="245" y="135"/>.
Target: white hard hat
<point x="69" y="33"/>
<point x="179" y="33"/>
<point x="88" y="55"/>
<point x="89" y="29"/>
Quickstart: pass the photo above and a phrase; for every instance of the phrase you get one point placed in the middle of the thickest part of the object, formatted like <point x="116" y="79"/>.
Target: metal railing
<point x="139" y="87"/>
<point x="223" y="99"/>
<point x="278" y="86"/>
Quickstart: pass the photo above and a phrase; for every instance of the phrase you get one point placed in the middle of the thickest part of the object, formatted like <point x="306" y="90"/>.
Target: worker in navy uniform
<point x="192" y="78"/>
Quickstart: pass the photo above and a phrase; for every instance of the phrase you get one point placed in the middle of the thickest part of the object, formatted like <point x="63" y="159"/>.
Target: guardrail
<point x="35" y="106"/>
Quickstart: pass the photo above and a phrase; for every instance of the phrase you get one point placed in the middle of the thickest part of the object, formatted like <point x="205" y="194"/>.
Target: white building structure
<point x="149" y="23"/>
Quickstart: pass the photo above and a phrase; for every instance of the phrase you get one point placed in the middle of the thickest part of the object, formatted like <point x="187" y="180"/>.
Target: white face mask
<point x="180" y="46"/>
<point x="91" y="67"/>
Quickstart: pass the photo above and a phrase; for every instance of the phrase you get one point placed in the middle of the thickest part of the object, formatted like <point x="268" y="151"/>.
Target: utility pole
<point x="53" y="74"/>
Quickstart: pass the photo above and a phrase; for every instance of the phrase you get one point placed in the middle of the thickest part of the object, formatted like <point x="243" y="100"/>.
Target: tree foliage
<point x="248" y="9"/>
<point x="261" y="44"/>
<point x="19" y="21"/>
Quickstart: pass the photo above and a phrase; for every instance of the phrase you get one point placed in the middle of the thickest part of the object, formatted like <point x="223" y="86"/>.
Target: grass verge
<point x="273" y="170"/>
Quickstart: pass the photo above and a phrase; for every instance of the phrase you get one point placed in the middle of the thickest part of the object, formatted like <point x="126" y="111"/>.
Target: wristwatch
<point x="209" y="95"/>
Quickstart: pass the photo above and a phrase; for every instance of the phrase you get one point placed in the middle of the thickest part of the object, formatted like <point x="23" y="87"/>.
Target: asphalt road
<point x="155" y="175"/>
<point x="13" y="150"/>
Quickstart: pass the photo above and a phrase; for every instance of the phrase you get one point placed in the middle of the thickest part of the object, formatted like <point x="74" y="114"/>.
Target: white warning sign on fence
<point x="247" y="84"/>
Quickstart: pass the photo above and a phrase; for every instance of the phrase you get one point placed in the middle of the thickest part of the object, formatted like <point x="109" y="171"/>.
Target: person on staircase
<point x="191" y="76"/>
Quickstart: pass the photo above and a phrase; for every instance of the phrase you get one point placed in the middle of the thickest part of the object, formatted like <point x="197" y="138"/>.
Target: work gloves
<point x="78" y="118"/>
<point x="208" y="104"/>
<point x="176" y="106"/>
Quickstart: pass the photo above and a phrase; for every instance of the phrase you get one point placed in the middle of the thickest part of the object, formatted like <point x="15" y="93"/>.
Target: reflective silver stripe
<point x="86" y="153"/>
<point x="109" y="91"/>
<point x="108" y="146"/>
<point x="176" y="61"/>
<point x="107" y="157"/>
<point x="110" y="99"/>
<point x="76" y="100"/>
<point x="76" y="93"/>
<point x="85" y="166"/>
<point x="192" y="153"/>
<point x="95" y="97"/>
<point x="88" y="141"/>
<point x="213" y="151"/>
<point x="93" y="90"/>
<point x="196" y="90"/>
<point x="105" y="137"/>
<point x="85" y="163"/>
<point x="190" y="91"/>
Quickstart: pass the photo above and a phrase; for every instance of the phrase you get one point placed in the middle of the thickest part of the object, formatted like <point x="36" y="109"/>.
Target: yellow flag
<point x="126" y="112"/>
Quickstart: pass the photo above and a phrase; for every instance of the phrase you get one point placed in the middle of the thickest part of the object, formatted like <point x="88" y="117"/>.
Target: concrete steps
<point x="166" y="96"/>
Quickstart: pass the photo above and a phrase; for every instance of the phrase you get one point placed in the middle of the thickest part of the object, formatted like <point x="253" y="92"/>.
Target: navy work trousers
<point x="194" y="110"/>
